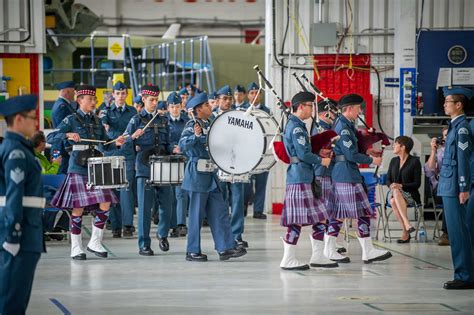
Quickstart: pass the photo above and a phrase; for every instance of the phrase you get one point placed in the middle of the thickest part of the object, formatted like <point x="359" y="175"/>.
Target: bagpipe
<point x="365" y="137"/>
<point x="320" y="141"/>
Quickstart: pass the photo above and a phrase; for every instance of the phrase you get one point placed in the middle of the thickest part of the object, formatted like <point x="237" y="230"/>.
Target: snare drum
<point x="106" y="172"/>
<point x="239" y="142"/>
<point x="229" y="178"/>
<point x="166" y="170"/>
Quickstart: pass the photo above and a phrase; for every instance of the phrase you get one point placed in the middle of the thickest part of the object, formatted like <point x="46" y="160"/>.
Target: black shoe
<point x="155" y="218"/>
<point x="46" y="237"/>
<point x="174" y="233"/>
<point x="117" y="233"/>
<point x="196" y="257"/>
<point x="80" y="257"/>
<point x="458" y="285"/>
<point x="232" y="253"/>
<point x="205" y="223"/>
<point x="127" y="232"/>
<point x="242" y="243"/>
<point x="164" y="245"/>
<point x="341" y="250"/>
<point x="259" y="215"/>
<point x="98" y="254"/>
<point x="385" y="256"/>
<point x="182" y="230"/>
<point x="400" y="241"/>
<point x="146" y="251"/>
<point x="344" y="260"/>
<point x="411" y="230"/>
<point x="302" y="267"/>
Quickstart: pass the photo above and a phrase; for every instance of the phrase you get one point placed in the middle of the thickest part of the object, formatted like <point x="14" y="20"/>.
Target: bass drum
<point x="239" y="142"/>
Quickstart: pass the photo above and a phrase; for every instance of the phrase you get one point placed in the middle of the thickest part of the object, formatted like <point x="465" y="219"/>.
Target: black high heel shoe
<point x="400" y="241"/>
<point x="411" y="230"/>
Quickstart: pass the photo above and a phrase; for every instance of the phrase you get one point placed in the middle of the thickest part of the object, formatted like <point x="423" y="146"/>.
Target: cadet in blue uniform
<point x="323" y="176"/>
<point x="63" y="107"/>
<point x="205" y="199"/>
<point x="138" y="103"/>
<point x="350" y="198"/>
<point x="73" y="193"/>
<point x="115" y="120"/>
<point x="239" y="98"/>
<point x="21" y="205"/>
<point x="261" y="179"/>
<point x="301" y="207"/>
<point x="454" y="187"/>
<point x="177" y="120"/>
<point x="152" y="141"/>
<point x="213" y="101"/>
<point x="233" y="192"/>
<point x="162" y="108"/>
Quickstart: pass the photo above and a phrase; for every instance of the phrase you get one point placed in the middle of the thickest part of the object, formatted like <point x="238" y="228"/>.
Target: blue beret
<point x="252" y="86"/>
<point x="457" y="90"/>
<point x="161" y="105"/>
<point x="239" y="89"/>
<point x="17" y="104"/>
<point x="85" y="90"/>
<point x="183" y="91"/>
<point x="119" y="86"/>
<point x="213" y="96"/>
<point x="196" y="100"/>
<point x="138" y="99"/>
<point x="225" y="90"/>
<point x="152" y="90"/>
<point x="173" y="98"/>
<point x="65" y="85"/>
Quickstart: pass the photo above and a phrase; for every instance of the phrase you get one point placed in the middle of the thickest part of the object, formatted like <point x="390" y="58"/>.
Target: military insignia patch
<point x="463" y="146"/>
<point x="347" y="144"/>
<point x="345" y="132"/>
<point x="17" y="175"/>
<point x="16" y="154"/>
<point x="297" y="130"/>
<point x="301" y="140"/>
<point x="463" y="131"/>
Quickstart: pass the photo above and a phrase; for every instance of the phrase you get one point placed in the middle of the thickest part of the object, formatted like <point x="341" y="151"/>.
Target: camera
<point x="439" y="141"/>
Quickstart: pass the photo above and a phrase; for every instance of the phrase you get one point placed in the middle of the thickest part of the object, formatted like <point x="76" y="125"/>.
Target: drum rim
<point x="102" y="158"/>
<point x="177" y="157"/>
<point x="264" y="140"/>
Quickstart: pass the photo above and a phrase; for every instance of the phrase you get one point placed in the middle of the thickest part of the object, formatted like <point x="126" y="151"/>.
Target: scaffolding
<point x="172" y="65"/>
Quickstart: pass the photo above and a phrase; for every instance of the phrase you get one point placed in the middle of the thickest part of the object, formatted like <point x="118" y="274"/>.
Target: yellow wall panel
<point x="19" y="71"/>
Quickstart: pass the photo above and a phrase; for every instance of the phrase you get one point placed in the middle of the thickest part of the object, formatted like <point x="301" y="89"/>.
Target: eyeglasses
<point x="30" y="117"/>
<point x="449" y="101"/>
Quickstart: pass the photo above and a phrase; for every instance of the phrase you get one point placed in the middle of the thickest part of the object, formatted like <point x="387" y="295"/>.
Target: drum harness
<point x="156" y="139"/>
<point x="90" y="150"/>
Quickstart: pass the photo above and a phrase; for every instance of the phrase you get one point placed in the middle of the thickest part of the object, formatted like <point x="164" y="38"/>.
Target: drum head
<point x="236" y="142"/>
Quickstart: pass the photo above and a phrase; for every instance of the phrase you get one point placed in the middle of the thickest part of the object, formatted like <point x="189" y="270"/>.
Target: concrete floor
<point x="126" y="283"/>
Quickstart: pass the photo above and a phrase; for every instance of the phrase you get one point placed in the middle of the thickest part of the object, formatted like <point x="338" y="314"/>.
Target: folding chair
<point x="54" y="181"/>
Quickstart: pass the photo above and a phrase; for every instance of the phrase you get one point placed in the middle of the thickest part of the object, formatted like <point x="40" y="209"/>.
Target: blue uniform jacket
<point x="20" y="177"/>
<point x="61" y="109"/>
<point x="149" y="141"/>
<point x="347" y="171"/>
<point x="263" y="107"/>
<point x="118" y="122"/>
<point x="472" y="154"/>
<point x="92" y="129"/>
<point x="176" y="127"/>
<point x="242" y="106"/>
<point x="320" y="170"/>
<point x="195" y="149"/>
<point x="455" y="174"/>
<point x="297" y="144"/>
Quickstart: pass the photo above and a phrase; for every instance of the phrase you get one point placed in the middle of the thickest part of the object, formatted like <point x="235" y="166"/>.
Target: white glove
<point x="11" y="248"/>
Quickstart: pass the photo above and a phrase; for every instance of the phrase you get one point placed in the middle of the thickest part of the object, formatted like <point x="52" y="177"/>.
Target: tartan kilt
<point x="73" y="193"/>
<point x="301" y="207"/>
<point x="328" y="193"/>
<point x="350" y="201"/>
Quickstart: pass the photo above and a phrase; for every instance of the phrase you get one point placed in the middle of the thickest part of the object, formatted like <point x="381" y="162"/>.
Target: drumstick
<point x="112" y="141"/>
<point x="89" y="140"/>
<point x="126" y="136"/>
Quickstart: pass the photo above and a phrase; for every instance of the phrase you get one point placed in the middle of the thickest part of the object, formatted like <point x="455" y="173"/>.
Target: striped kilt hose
<point x="301" y="207"/>
<point x="73" y="193"/>
<point x="350" y="201"/>
<point x="328" y="193"/>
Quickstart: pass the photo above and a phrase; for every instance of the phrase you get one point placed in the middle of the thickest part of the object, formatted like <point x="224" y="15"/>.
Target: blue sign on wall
<point x="432" y="54"/>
